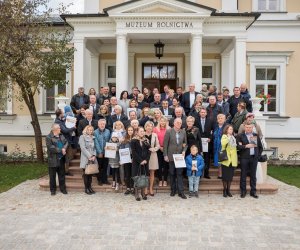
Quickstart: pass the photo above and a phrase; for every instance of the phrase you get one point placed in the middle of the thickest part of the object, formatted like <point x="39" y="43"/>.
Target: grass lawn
<point x="287" y="174"/>
<point x="12" y="175"/>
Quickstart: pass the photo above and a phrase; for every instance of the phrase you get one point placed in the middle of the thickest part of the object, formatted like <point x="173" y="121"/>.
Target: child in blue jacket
<point x="194" y="167"/>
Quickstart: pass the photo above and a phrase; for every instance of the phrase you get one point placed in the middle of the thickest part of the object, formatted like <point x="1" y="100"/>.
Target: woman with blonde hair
<point x="88" y="155"/>
<point x="160" y="131"/>
<point x="154" y="147"/>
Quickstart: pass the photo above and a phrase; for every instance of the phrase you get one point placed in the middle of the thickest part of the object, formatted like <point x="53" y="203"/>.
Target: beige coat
<point x="153" y="162"/>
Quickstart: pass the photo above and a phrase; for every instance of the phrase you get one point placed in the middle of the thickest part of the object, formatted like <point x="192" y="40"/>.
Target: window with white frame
<point x="269" y="5"/>
<point x="267" y="83"/>
<point x="268" y="74"/>
<point x="110" y="74"/>
<point x="56" y="90"/>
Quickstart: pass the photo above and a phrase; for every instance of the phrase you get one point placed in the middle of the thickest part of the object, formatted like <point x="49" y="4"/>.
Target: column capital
<point x="240" y="38"/>
<point x="121" y="35"/>
<point x="197" y="35"/>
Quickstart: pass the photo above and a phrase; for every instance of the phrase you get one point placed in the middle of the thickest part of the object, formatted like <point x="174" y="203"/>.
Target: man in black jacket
<point x="250" y="149"/>
<point x="165" y="108"/>
<point x="69" y="134"/>
<point x="188" y="99"/>
<point x="94" y="106"/>
<point x="78" y="100"/>
<point x="205" y="128"/>
<point x="235" y="99"/>
<point x="118" y="116"/>
<point x="87" y="121"/>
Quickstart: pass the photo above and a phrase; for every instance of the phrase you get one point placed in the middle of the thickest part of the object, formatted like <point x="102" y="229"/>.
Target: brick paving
<point x="32" y="219"/>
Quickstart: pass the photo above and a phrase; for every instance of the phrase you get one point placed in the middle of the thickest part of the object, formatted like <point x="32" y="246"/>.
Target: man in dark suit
<point x="94" y="106"/>
<point x="156" y="103"/>
<point x="179" y="93"/>
<point x="165" y="108"/>
<point x="250" y="149"/>
<point x="205" y="128"/>
<point x="78" y="100"/>
<point x="87" y="121"/>
<point x="118" y="116"/>
<point x="165" y="94"/>
<point x="188" y="99"/>
<point x="178" y="113"/>
<point x="175" y="142"/>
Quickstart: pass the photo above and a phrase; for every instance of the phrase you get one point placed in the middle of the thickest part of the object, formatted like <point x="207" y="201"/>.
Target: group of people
<point x="154" y="127"/>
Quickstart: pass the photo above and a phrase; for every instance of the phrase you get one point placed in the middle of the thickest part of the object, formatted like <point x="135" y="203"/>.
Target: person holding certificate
<point x="140" y="158"/>
<point x="175" y="143"/>
<point x="128" y="166"/>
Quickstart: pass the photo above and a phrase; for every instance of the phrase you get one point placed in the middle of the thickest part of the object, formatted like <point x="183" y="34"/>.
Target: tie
<point x="118" y="118"/>
<point x="202" y="123"/>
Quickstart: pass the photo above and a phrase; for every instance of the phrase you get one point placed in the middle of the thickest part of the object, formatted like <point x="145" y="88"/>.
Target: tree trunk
<point x="37" y="129"/>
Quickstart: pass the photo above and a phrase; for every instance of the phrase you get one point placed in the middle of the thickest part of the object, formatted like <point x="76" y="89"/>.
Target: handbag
<point x="263" y="158"/>
<point x="91" y="168"/>
<point x="140" y="181"/>
<point x="223" y="155"/>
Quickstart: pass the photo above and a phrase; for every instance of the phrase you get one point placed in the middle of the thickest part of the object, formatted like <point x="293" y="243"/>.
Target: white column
<point x="79" y="64"/>
<point x="196" y="60"/>
<point x="95" y="72"/>
<point x="131" y="72"/>
<point x="187" y="68"/>
<point x="240" y="60"/>
<point x="225" y="71"/>
<point x="122" y="64"/>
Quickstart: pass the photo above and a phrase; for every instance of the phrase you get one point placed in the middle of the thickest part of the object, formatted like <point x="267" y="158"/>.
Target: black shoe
<point x="228" y="193"/>
<point x="92" y="191"/>
<point x="207" y="177"/>
<point x="243" y="195"/>
<point x="172" y="194"/>
<point x="87" y="191"/>
<point x="69" y="174"/>
<point x="220" y="177"/>
<point x="254" y="195"/>
<point x="182" y="195"/>
<point x="145" y="197"/>
<point x="224" y="193"/>
<point x="127" y="192"/>
<point x="100" y="183"/>
<point x="53" y="193"/>
<point x="190" y="194"/>
<point x="138" y="198"/>
<point x="64" y="191"/>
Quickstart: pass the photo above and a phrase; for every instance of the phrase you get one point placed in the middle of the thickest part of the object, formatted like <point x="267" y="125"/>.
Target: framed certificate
<point x="125" y="156"/>
<point x="111" y="150"/>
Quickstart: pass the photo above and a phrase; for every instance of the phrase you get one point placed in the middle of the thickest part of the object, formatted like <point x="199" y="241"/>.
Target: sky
<point x="76" y="7"/>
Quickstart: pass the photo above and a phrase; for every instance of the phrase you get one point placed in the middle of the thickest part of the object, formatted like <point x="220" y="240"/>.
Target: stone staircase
<point x="207" y="186"/>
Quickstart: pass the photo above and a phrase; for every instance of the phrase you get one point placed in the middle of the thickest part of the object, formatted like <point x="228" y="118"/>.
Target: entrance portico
<point x="124" y="36"/>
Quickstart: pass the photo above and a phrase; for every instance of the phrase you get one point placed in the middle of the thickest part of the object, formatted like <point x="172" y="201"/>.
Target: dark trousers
<point x="60" y="170"/>
<point x="103" y="164"/>
<point x="116" y="175"/>
<point x="176" y="179"/>
<point x="248" y="165"/>
<point x="127" y="171"/>
<point x="87" y="179"/>
<point x="206" y="157"/>
<point x="163" y="167"/>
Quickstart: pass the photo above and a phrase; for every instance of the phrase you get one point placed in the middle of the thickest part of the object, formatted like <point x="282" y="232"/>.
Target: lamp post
<point x="159" y="49"/>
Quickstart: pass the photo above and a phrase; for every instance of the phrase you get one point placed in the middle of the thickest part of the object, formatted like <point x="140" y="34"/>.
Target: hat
<point x="250" y="114"/>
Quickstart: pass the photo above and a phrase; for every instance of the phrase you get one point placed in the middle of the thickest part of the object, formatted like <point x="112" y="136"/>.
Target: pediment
<point x="140" y="7"/>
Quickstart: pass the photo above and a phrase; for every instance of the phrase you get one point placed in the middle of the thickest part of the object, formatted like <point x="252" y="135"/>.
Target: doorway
<point x="157" y="75"/>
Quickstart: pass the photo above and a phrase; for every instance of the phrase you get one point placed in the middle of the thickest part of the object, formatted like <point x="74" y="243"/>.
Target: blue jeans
<point x="194" y="183"/>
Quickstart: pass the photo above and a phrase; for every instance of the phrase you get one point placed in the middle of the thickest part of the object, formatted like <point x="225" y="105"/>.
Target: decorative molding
<point x="260" y="56"/>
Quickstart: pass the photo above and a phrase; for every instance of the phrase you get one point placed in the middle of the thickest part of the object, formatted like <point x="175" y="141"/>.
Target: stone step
<point x="265" y="188"/>
<point x="214" y="179"/>
<point x="212" y="171"/>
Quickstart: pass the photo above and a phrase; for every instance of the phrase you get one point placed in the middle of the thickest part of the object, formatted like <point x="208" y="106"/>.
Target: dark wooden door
<point x="157" y="75"/>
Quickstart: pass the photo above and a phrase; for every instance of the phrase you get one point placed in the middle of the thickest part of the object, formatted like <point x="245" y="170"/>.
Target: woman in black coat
<point x="140" y="158"/>
<point x="192" y="135"/>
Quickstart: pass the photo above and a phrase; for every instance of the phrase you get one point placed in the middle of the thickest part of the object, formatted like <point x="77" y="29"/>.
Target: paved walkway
<point x="32" y="219"/>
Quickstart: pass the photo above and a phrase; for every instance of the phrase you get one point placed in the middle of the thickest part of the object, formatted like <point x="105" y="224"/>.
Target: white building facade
<point x="219" y="42"/>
